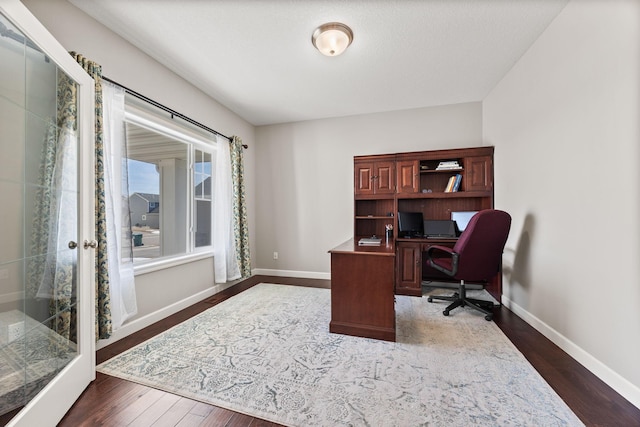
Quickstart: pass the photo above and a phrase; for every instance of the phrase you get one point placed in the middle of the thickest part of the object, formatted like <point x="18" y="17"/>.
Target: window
<point x="202" y="197"/>
<point x="170" y="170"/>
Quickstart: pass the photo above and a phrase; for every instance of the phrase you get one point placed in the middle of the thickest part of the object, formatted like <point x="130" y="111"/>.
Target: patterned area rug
<point x="268" y="353"/>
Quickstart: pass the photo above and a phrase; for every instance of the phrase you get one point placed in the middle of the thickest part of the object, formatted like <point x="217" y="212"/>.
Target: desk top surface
<point x="351" y="247"/>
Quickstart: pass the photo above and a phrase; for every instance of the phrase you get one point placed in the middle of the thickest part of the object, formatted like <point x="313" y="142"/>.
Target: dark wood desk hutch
<point x="386" y="184"/>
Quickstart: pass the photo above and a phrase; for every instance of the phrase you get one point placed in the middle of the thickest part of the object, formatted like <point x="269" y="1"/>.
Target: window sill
<point x="164" y="263"/>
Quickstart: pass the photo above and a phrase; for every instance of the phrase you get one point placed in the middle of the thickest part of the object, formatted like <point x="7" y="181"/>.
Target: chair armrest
<point x="448" y="251"/>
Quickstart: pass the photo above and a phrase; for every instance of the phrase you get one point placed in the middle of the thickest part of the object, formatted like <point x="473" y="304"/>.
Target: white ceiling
<point x="256" y="57"/>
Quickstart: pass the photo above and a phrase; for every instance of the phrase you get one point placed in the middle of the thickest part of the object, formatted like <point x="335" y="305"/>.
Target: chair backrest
<point x="481" y="244"/>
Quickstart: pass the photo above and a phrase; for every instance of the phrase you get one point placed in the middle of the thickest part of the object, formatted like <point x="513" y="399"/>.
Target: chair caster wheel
<point x="430" y="299"/>
<point x="488" y="317"/>
<point x="446" y="312"/>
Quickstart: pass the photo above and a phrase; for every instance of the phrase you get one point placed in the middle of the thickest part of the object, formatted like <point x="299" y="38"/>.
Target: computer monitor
<point x="410" y="224"/>
<point x="444" y="228"/>
<point x="462" y="219"/>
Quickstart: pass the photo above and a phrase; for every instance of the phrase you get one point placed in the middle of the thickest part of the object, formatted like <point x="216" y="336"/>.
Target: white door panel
<point x="47" y="333"/>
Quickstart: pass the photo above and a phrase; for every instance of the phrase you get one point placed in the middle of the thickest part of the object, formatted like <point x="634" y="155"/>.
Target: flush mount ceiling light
<point x="332" y="39"/>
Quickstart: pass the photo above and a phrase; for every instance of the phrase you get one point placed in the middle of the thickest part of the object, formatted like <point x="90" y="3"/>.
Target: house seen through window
<point x="170" y="188"/>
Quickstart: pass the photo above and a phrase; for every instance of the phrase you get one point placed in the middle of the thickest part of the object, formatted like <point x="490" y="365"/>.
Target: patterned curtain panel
<point x="103" y="300"/>
<point x="240" y="223"/>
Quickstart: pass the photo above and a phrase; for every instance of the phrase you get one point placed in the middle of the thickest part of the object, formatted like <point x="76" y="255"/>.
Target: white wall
<point x="565" y="123"/>
<point x="157" y="292"/>
<point x="305" y="186"/>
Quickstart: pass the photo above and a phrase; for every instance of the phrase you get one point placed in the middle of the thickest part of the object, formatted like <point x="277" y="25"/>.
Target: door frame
<point x="54" y="400"/>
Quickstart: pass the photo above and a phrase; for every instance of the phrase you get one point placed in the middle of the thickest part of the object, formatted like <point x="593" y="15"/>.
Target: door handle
<point x="72" y="245"/>
<point x="90" y="244"/>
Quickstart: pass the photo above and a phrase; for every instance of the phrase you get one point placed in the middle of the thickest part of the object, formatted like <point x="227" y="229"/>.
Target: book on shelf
<point x="369" y="241"/>
<point x="448" y="165"/>
<point x="449" y="187"/>
<point x="456" y="184"/>
<point x="453" y="184"/>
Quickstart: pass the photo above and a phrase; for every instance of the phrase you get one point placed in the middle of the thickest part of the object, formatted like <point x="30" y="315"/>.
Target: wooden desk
<point x="362" y="290"/>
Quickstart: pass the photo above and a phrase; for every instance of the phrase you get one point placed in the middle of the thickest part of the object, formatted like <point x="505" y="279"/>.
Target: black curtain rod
<point x="168" y="110"/>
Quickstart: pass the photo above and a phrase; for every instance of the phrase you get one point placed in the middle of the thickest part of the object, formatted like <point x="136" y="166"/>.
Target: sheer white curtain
<point x="224" y="253"/>
<point x="120" y="256"/>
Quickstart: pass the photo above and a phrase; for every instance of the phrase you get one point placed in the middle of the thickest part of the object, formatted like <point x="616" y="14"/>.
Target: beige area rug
<point x="268" y="353"/>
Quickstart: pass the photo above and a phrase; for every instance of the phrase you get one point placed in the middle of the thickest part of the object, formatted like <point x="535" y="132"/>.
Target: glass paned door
<point x="46" y="321"/>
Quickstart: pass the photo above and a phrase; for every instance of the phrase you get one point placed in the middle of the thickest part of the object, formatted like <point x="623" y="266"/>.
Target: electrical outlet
<point x="15" y="331"/>
<point x="275" y="255"/>
<point x="4" y="273"/>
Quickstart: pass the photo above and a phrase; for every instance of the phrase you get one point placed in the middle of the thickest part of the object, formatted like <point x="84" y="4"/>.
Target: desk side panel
<point x="362" y="295"/>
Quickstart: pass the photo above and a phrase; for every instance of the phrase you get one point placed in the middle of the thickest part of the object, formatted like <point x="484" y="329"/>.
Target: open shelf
<point x="443" y="195"/>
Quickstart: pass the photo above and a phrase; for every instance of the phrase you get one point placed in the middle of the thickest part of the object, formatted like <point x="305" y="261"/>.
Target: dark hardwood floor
<point x="111" y="401"/>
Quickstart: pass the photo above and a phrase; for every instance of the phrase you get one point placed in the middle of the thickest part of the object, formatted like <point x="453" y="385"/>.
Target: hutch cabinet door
<point x="478" y="173"/>
<point x="409" y="268"/>
<point x="408" y="176"/>
<point x="363" y="179"/>
<point x="374" y="177"/>
<point x="384" y="178"/>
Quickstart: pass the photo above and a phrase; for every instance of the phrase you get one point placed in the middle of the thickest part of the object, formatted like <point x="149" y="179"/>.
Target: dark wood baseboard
<point x="111" y="401"/>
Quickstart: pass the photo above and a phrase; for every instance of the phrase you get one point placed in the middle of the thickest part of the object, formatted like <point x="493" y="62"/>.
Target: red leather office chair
<point x="476" y="257"/>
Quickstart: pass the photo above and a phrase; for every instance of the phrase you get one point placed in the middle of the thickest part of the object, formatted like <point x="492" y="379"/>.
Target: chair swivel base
<point x="459" y="299"/>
